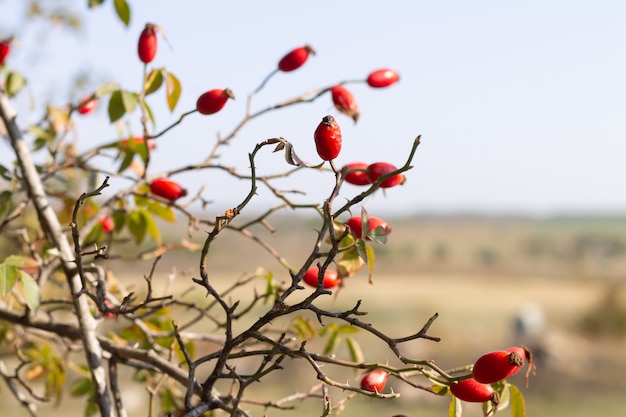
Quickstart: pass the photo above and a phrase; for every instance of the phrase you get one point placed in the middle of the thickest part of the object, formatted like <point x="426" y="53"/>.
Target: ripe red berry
<point x="328" y="138"/>
<point x="5" y="48"/>
<point x="383" y="77"/>
<point x="473" y="391"/>
<point x="378" y="169"/>
<point x="137" y="140"/>
<point x="496" y="366"/>
<point x="107" y="223"/>
<point x="295" y="59"/>
<point x="87" y="105"/>
<point x="147" y="46"/>
<point x="375" y="380"/>
<point x="355" y="224"/>
<point x="167" y="189"/>
<point x="109" y="305"/>
<point x="214" y="100"/>
<point x="331" y="278"/>
<point x="345" y="102"/>
<point x="355" y="177"/>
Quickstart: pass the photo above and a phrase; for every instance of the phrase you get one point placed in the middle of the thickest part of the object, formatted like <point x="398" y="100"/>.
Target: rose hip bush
<point x="61" y="227"/>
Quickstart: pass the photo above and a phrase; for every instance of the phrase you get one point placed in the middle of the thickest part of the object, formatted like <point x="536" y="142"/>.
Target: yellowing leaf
<point x="31" y="290"/>
<point x="154" y="80"/>
<point x="172" y="90"/>
<point x="123" y="11"/>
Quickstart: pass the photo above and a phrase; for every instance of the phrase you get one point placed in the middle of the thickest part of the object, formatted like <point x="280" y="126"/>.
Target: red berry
<point x="5" y="48"/>
<point x="109" y="305"/>
<point x="328" y="138"/>
<point x="214" y="100"/>
<point x="295" y="59"/>
<point x="147" y="46"/>
<point x="355" y="224"/>
<point x="107" y="223"/>
<point x="378" y="169"/>
<point x="331" y="278"/>
<point x="137" y="140"/>
<point x="355" y="177"/>
<point x="496" y="366"/>
<point x="374" y="381"/>
<point x="383" y="77"/>
<point x="345" y="102"/>
<point x="473" y="391"/>
<point x="87" y="105"/>
<point x="167" y="189"/>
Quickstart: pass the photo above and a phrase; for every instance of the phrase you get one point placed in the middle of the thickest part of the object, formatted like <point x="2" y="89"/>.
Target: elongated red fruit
<point x="358" y="176"/>
<point x="296" y="58"/>
<point x="107" y="223"/>
<point x="378" y="169"/>
<point x="345" y="102"/>
<point x="5" y="49"/>
<point x="328" y="138"/>
<point x="375" y="380"/>
<point x="87" y="105"/>
<point x="147" y="46"/>
<point x="473" y="391"/>
<point x="331" y="278"/>
<point x="355" y="224"/>
<point x="382" y="78"/>
<point x="214" y="100"/>
<point x="167" y="189"/>
<point x="496" y="366"/>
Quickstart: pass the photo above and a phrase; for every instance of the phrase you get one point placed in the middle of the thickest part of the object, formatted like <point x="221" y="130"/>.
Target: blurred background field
<point x="565" y="276"/>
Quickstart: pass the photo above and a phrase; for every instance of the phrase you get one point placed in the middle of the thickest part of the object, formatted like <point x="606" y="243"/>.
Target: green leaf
<point x="123" y="11"/>
<point x="349" y="263"/>
<point x="331" y="344"/>
<point x="151" y="226"/>
<point x="81" y="387"/>
<point x="136" y="222"/>
<point x="5" y="174"/>
<point x="154" y="80"/>
<point x="356" y="354"/>
<point x="518" y="407"/>
<point x="116" y="107"/>
<point x="150" y="113"/>
<point x="8" y="278"/>
<point x="130" y="101"/>
<point x="370" y="262"/>
<point x="172" y="90"/>
<point x="106" y="89"/>
<point x="455" y="409"/>
<point x="31" y="290"/>
<point x="91" y="408"/>
<point x="162" y="211"/>
<point x="14" y="83"/>
<point x="440" y="389"/>
<point x="94" y="3"/>
<point x="304" y="327"/>
<point x="347" y="329"/>
<point x="378" y="235"/>
<point x="128" y="159"/>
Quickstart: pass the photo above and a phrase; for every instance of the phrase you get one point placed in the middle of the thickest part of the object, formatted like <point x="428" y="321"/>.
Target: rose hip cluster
<point x="360" y="173"/>
<point x="491" y="368"/>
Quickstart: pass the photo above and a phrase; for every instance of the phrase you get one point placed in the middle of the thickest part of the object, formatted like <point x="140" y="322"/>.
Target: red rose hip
<point x="345" y="102"/>
<point x="378" y="169"/>
<point x="167" y="189"/>
<point x="382" y="78"/>
<point x="496" y="366"/>
<point x="328" y="138"/>
<point x="473" y="391"/>
<point x="87" y="105"/>
<point x="357" y="174"/>
<point x="5" y="49"/>
<point x="295" y="59"/>
<point x="331" y="278"/>
<point x="107" y="223"/>
<point x="355" y="224"/>
<point x="375" y="380"/>
<point x="147" y="45"/>
<point x="214" y="100"/>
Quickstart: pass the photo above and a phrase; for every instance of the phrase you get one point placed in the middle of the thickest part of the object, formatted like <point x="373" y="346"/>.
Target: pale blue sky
<point x="521" y="105"/>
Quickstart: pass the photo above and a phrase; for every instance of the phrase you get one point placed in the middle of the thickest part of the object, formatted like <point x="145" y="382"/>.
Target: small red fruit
<point x="496" y="366"/>
<point x="87" y="105"/>
<point x="107" y="223"/>
<point x="5" y="49"/>
<point x="147" y="46"/>
<point x="109" y="305"/>
<point x="214" y="100"/>
<point x="328" y="138"/>
<point x="331" y="279"/>
<point x="167" y="189"/>
<point x="355" y="224"/>
<point x="345" y="102"/>
<point x="375" y="380"/>
<point x="357" y="174"/>
<point x="295" y="59"/>
<point x="378" y="169"/>
<point x="135" y="141"/>
<point x="473" y="391"/>
<point x="383" y="77"/>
